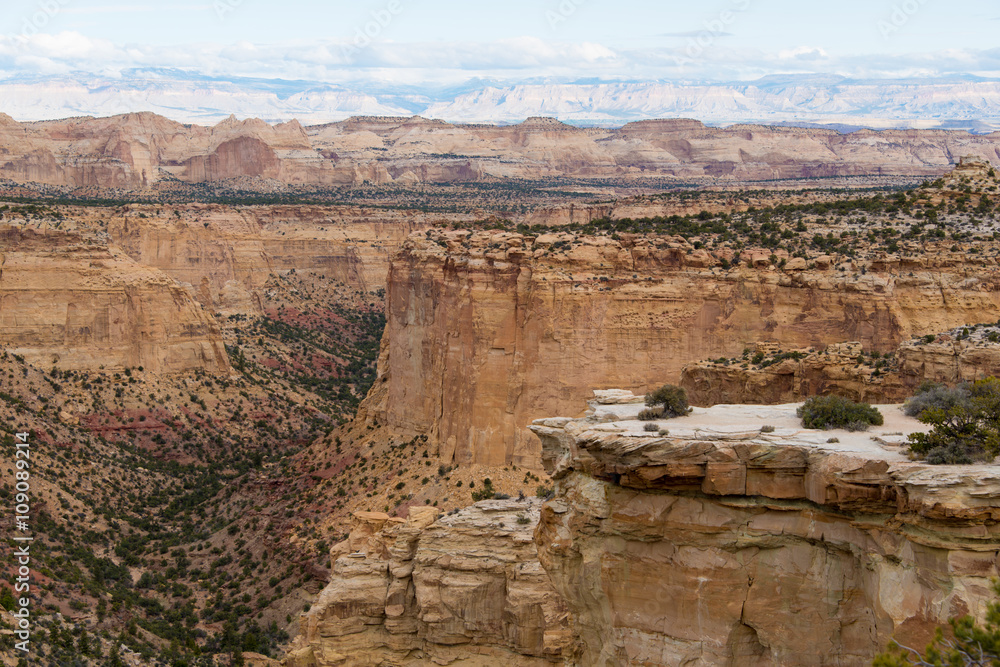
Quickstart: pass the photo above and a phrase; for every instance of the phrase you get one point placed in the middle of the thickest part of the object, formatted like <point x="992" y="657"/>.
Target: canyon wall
<point x="139" y="285"/>
<point x="138" y="150"/>
<point x="227" y="254"/>
<point x="487" y="330"/>
<point x="460" y="589"/>
<point x="729" y="546"/>
<point x="77" y="305"/>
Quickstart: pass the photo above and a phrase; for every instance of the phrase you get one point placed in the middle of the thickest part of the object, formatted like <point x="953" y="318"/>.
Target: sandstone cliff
<point x="77" y="305"/>
<point x="138" y="150"/>
<point x="487" y="330"/>
<point x="845" y="369"/>
<point x="725" y="545"/>
<point x="226" y="254"/>
<point x="460" y="589"/>
<point x="789" y="377"/>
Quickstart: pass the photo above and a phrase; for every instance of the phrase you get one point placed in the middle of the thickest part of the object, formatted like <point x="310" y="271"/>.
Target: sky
<point x="446" y="42"/>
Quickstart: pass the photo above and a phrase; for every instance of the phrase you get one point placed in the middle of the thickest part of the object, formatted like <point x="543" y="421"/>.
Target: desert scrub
<point x="669" y="399"/>
<point x="826" y="412"/>
<point x="965" y="421"/>
<point x="651" y="428"/>
<point x="649" y="414"/>
<point x="934" y="396"/>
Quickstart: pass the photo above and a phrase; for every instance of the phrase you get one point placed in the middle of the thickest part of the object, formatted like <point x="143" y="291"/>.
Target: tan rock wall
<point x="486" y="332"/>
<point x="79" y="306"/>
<point x="758" y="552"/>
<point x="462" y="589"/>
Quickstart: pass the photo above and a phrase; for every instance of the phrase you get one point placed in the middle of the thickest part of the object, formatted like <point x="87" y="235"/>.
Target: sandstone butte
<point x="138" y="150"/>
<point x="487" y="330"/>
<point x="721" y="544"/>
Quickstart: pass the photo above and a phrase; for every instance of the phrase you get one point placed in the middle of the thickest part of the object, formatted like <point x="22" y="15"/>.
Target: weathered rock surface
<point x="460" y="589"/>
<point x="79" y="306"/>
<point x="137" y="150"/>
<point x="729" y="546"/>
<point x="832" y="371"/>
<point x="226" y="254"/>
<point x="961" y="355"/>
<point x="486" y="330"/>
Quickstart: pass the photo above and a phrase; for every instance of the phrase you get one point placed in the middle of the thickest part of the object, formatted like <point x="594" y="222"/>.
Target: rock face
<point x="486" y="330"/>
<point x="79" y="306"/>
<point x="462" y="589"/>
<point x="729" y="546"/>
<point x="961" y="355"/>
<point x="139" y="285"/>
<point x="833" y="371"/>
<point x="227" y="254"/>
<point x="139" y="149"/>
<point x="952" y="357"/>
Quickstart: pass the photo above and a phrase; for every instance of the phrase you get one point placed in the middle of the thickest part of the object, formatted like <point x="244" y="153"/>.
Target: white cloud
<point x="518" y="59"/>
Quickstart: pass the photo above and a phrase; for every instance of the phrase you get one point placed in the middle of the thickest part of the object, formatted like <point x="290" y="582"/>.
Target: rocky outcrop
<point x="789" y="377"/>
<point x="961" y="355"/>
<point x="138" y="150"/>
<point x="76" y="305"/>
<point x="460" y="589"/>
<point x="733" y="545"/>
<point x="845" y="369"/>
<point x="486" y="330"/>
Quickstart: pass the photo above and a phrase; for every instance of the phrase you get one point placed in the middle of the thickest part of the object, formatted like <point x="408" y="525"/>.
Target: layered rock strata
<point x="76" y="305"/>
<point x="460" y="589"/>
<point x="737" y="545"/>
<point x="487" y="330"/>
<point x="227" y="254"/>
<point x="798" y="375"/>
<point x="961" y="355"/>
<point x="137" y="150"/>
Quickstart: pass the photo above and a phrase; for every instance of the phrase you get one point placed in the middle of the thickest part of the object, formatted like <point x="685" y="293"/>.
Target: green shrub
<point x="672" y="398"/>
<point x="485" y="493"/>
<point x="965" y="421"/>
<point x="650" y="428"/>
<point x="826" y="412"/>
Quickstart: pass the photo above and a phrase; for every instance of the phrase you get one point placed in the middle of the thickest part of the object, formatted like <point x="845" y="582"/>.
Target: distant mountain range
<point x="956" y="103"/>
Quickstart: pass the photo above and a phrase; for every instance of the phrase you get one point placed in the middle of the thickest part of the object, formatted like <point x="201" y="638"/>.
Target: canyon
<point x="209" y="357"/>
<point x="488" y="329"/>
<point x="143" y="150"/>
<point x="141" y="285"/>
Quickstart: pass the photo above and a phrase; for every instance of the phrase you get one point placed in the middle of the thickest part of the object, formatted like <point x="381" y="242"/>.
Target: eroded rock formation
<point x="460" y="589"/>
<point x="733" y="546"/>
<point x="77" y="305"/>
<point x="137" y="150"/>
<point x="487" y="330"/>
<point x="227" y="254"/>
<point x="961" y="355"/>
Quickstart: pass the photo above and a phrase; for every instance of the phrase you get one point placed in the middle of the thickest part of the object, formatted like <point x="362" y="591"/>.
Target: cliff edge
<point x="722" y="542"/>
